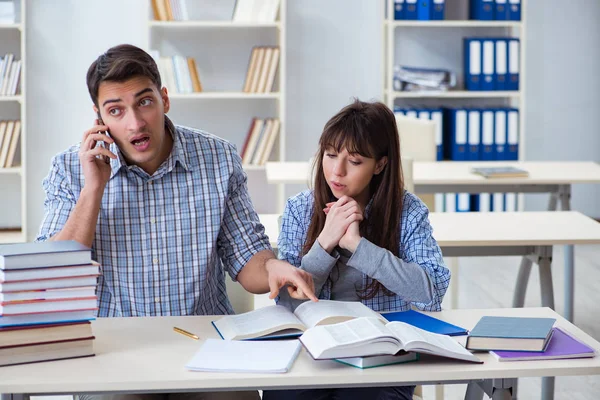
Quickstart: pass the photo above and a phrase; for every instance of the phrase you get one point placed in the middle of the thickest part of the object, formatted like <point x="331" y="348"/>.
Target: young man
<point x="165" y="208"/>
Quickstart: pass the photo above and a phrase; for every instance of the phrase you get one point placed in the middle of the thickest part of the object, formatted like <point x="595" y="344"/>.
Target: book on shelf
<point x="179" y="74"/>
<point x="36" y="352"/>
<point x="256" y="11"/>
<point x="379" y="361"/>
<point x="170" y="10"/>
<point x="260" y="140"/>
<point x="561" y="345"/>
<point x="10" y="75"/>
<point x="262" y="69"/>
<point x="44" y="254"/>
<point x="425" y="322"/>
<point x="11" y="142"/>
<point x="511" y="333"/>
<point x="278" y="322"/>
<point x="31" y="334"/>
<point x="258" y="356"/>
<point x="366" y="336"/>
<point x="500" y="172"/>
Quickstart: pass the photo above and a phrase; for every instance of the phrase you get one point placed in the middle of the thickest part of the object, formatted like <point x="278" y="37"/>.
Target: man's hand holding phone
<point x="95" y="156"/>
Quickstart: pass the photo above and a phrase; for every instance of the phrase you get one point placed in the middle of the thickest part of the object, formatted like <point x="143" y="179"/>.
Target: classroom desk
<point x="494" y="234"/>
<point x="144" y="355"/>
<point x="554" y="177"/>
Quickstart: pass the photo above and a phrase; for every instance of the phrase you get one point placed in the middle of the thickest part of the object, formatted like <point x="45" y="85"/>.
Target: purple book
<point x="561" y="345"/>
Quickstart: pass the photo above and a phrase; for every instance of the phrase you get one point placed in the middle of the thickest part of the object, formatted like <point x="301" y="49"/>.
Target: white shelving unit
<point x="222" y="49"/>
<point x="13" y="223"/>
<point x="439" y="44"/>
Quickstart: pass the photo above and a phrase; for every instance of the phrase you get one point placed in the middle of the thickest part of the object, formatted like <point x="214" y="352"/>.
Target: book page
<point x="257" y="323"/>
<point x="326" y="312"/>
<point x="353" y="338"/>
<point x="419" y="340"/>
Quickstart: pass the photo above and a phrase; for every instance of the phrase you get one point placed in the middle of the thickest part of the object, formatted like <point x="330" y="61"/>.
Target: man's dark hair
<point x="119" y="64"/>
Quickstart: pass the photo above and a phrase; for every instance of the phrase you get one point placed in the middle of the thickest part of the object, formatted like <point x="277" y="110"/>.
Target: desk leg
<point x="521" y="285"/>
<point x="545" y="266"/>
<point x="565" y="203"/>
<point x="474" y="392"/>
<point x="548" y="388"/>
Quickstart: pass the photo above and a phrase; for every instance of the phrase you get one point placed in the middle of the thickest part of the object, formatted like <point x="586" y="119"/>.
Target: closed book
<point x="42" y="284"/>
<point x="48" y="273"/>
<point x="47" y="318"/>
<point x="19" y="307"/>
<point x="425" y="322"/>
<point x="47" y="351"/>
<point x="500" y="172"/>
<point x="561" y="345"/>
<point x="379" y="361"/>
<point x="46" y="294"/>
<point x="511" y="333"/>
<point x="29" y="334"/>
<point x="44" y="254"/>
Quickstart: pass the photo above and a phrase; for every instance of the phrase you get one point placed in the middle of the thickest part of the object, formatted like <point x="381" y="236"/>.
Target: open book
<point x="369" y="336"/>
<point x="276" y="322"/>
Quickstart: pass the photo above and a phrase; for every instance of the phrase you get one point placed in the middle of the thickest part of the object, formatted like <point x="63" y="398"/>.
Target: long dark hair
<point x="368" y="129"/>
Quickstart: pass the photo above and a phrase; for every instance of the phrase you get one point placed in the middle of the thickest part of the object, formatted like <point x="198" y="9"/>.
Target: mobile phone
<point x="103" y="144"/>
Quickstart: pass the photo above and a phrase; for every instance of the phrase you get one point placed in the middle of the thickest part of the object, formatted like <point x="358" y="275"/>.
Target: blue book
<point x="511" y="333"/>
<point x="514" y="10"/>
<point x="438" y="8"/>
<point x="399" y="13"/>
<point x="423" y="10"/>
<point x="410" y="9"/>
<point x="482" y="10"/>
<point x="425" y="322"/>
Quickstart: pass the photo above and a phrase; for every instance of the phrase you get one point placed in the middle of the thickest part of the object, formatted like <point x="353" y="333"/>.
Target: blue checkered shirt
<point x="164" y="241"/>
<point x="417" y="245"/>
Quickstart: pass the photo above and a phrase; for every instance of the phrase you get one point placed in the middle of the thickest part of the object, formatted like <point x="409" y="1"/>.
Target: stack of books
<point x="10" y="131"/>
<point x="179" y="74"/>
<point x="47" y="300"/>
<point x="522" y="339"/>
<point x="262" y="69"/>
<point x="10" y="75"/>
<point x="260" y="140"/>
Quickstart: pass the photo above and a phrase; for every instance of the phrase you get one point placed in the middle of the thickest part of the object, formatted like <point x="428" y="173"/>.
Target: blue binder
<point x="457" y="128"/>
<point x="438" y="9"/>
<point x="514" y="10"/>
<point x="512" y="134"/>
<point x="474" y="134"/>
<point x="487" y="135"/>
<point x="410" y="9"/>
<point x="488" y="81"/>
<point x="500" y="133"/>
<point x="482" y="10"/>
<point x="472" y="63"/>
<point x="501" y="52"/>
<point x="501" y="12"/>
<point x="399" y="10"/>
<point x="463" y="202"/>
<point x="514" y="60"/>
<point x="498" y="202"/>
<point x="424" y="10"/>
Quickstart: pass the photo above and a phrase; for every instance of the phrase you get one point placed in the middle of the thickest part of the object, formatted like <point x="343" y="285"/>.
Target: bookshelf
<point x="221" y="48"/>
<point x="13" y="221"/>
<point x="439" y="44"/>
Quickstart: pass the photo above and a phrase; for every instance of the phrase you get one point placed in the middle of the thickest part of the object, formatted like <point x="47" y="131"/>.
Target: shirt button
<point x="153" y="220"/>
<point x="155" y="261"/>
<point x="157" y="299"/>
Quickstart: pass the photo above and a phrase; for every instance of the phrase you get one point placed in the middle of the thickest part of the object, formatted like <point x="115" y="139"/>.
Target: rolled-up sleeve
<point x="241" y="235"/>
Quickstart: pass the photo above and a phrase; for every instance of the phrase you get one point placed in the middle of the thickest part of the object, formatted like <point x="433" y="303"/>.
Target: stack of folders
<point x="491" y="63"/>
<point x="414" y="79"/>
<point x="47" y="299"/>
<point x="490" y="10"/>
<point x="521" y="339"/>
<point x="423" y="10"/>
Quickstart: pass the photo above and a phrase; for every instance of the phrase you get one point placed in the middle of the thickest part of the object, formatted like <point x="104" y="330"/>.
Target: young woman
<point x="359" y="233"/>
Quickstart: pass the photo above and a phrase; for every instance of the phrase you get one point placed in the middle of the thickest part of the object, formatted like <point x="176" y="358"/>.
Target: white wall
<point x="334" y="53"/>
